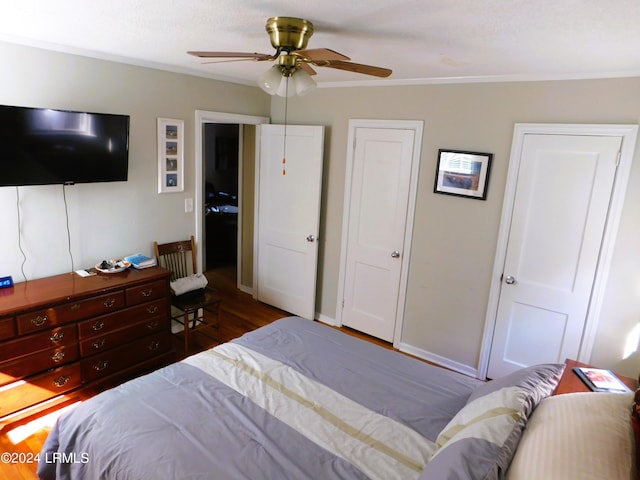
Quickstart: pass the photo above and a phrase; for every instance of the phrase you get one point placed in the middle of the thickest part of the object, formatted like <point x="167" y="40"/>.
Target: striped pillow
<point x="578" y="436"/>
<point x="480" y="441"/>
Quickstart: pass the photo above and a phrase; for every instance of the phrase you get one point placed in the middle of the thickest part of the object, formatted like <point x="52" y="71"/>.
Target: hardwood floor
<point x="240" y="313"/>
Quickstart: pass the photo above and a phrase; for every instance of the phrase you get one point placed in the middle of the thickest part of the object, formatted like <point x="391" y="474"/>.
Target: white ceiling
<point x="423" y="41"/>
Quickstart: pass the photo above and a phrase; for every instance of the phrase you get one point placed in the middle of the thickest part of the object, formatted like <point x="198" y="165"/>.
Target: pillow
<point x="577" y="436"/>
<point x="635" y="422"/>
<point x="541" y="380"/>
<point x="479" y="442"/>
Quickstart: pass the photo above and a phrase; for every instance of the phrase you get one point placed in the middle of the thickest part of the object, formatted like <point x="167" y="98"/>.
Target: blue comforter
<point x="180" y="422"/>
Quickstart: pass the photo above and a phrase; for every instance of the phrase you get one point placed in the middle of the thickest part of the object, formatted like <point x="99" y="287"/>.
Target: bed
<point x="300" y="400"/>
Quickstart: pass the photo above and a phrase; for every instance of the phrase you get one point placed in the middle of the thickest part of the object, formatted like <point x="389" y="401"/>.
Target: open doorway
<point x="246" y="126"/>
<point x="220" y="153"/>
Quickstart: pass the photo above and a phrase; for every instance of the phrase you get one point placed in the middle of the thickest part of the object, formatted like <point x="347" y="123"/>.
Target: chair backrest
<point x="179" y="257"/>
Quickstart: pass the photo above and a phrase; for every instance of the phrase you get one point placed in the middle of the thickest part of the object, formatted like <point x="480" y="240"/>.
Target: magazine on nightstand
<point x="139" y="261"/>
<point x="600" y="380"/>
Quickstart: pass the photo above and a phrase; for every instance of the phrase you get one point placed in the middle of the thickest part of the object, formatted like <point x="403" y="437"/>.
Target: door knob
<point x="395" y="254"/>
<point x="509" y="280"/>
<point x="310" y="238"/>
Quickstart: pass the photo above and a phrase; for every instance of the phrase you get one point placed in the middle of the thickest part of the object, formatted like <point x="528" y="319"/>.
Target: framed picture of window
<point x="170" y="155"/>
<point x="462" y="173"/>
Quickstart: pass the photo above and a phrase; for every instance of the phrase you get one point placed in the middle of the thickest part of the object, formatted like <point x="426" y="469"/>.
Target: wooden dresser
<point x="61" y="333"/>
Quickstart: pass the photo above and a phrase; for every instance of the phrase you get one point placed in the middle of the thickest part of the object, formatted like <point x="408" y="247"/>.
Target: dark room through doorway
<point x="220" y="151"/>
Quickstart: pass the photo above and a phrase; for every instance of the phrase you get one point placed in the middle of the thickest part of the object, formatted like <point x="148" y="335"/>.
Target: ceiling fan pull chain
<point x="284" y="147"/>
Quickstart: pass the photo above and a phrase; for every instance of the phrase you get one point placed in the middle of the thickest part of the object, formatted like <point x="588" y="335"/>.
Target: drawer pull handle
<point x="109" y="302"/>
<point x="101" y="365"/>
<point x="147" y="292"/>
<point x="62" y="381"/>
<point x="98" y="325"/>
<point x="99" y="343"/>
<point x="39" y="320"/>
<point x="57" y="357"/>
<point x="154" y="345"/>
<point x="56" y="337"/>
<point x="152" y="309"/>
<point x="75" y="306"/>
<point x="152" y="325"/>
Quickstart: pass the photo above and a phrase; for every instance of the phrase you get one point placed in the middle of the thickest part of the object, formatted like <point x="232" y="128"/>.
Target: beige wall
<point x="106" y="220"/>
<point x="455" y="238"/>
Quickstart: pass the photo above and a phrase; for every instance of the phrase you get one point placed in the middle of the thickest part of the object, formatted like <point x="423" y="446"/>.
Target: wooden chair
<point x="180" y="258"/>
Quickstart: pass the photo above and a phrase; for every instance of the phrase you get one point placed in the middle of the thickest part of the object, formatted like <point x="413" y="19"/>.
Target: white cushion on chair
<point x="183" y="285"/>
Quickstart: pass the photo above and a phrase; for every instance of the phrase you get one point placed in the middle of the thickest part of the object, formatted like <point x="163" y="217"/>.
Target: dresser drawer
<point x="37" y="362"/>
<point x="144" y="293"/>
<point x="117" y="320"/>
<point x="106" y="363"/>
<point x="24" y="393"/>
<point x="7" y="328"/>
<point x="69" y="312"/>
<point x="91" y="346"/>
<point x="156" y="309"/>
<point x="66" y="336"/>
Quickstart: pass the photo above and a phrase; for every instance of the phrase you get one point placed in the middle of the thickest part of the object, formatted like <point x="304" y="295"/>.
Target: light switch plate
<point x="188" y="205"/>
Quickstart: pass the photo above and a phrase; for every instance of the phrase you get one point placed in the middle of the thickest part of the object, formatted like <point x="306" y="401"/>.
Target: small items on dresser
<point x="139" y="261"/>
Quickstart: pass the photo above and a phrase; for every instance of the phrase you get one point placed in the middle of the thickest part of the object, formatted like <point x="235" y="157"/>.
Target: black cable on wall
<point x="24" y="256"/>
<point x="66" y="212"/>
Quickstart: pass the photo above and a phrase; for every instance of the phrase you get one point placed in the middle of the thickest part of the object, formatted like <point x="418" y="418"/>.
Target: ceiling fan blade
<point x="307" y="68"/>
<point x="251" y="56"/>
<point x="229" y="60"/>
<point x="358" y="68"/>
<point x="320" y="54"/>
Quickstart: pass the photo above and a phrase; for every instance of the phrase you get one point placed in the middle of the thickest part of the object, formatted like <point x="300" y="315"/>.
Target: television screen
<point x="43" y="146"/>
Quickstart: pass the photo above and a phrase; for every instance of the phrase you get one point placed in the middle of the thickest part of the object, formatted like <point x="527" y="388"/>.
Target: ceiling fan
<point x="289" y="36"/>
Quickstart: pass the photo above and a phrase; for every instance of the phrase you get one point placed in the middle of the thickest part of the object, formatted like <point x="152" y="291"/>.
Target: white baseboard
<point x="328" y="320"/>
<point x="438" y="360"/>
<point x="416" y="352"/>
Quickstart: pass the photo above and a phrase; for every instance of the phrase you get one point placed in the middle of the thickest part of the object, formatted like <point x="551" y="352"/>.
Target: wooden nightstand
<point x="571" y="383"/>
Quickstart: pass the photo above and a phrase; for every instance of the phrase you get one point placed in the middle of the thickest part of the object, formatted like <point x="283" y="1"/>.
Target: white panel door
<point x="381" y="178"/>
<point x="559" y="215"/>
<point x="288" y="216"/>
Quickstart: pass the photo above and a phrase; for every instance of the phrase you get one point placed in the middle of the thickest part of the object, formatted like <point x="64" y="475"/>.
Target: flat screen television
<point x="43" y="146"/>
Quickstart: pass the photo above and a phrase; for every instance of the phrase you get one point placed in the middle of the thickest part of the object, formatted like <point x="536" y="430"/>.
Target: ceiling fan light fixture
<point x="270" y="80"/>
<point x="302" y="82"/>
<point x="276" y="82"/>
<point x="286" y="88"/>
